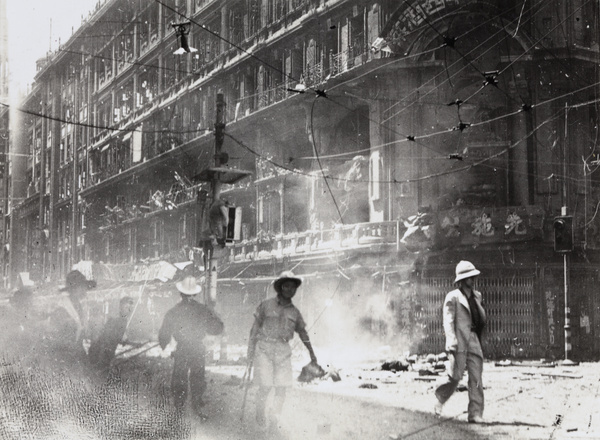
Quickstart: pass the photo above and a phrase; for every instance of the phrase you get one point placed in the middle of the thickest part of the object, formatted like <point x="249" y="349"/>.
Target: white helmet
<point x="465" y="269"/>
<point x="284" y="276"/>
<point x="188" y="286"/>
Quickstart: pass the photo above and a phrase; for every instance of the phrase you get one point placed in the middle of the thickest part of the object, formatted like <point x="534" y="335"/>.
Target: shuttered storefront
<point x="510" y="302"/>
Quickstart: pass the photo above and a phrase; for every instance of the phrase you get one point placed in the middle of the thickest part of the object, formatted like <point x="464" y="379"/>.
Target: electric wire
<point x="402" y="140"/>
<point x="532" y="46"/>
<point x="204" y="29"/>
<point x="315" y="149"/>
<point x="217" y="35"/>
<point x="474" y="124"/>
<point x="271" y="66"/>
<point x="411" y="138"/>
<point x="131" y="62"/>
<point x="478" y="47"/>
<point x="152" y="66"/>
<point x="101" y="127"/>
<point x="539" y="40"/>
<point x="408" y="180"/>
<point x="478" y="163"/>
<point x="240" y="48"/>
<point x="285" y="74"/>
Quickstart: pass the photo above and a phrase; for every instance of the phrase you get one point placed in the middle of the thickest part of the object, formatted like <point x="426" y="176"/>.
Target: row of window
<point x="189" y="115"/>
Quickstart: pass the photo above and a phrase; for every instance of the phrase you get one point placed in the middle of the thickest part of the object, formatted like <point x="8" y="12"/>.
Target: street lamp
<point x="182" y="30"/>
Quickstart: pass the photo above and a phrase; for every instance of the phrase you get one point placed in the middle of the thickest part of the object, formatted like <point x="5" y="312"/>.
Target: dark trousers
<point x="188" y="368"/>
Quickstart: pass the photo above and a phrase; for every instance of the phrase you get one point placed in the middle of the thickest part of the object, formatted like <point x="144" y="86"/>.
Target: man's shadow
<point x="443" y="420"/>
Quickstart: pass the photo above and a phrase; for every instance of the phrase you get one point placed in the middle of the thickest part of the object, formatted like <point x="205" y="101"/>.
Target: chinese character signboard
<point x="475" y="226"/>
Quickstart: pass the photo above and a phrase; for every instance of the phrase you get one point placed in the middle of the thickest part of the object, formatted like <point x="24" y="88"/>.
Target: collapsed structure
<point x="387" y="141"/>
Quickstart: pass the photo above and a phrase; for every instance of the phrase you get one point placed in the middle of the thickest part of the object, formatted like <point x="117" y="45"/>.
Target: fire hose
<point x="134" y="346"/>
<point x="127" y="359"/>
<point x="246" y="380"/>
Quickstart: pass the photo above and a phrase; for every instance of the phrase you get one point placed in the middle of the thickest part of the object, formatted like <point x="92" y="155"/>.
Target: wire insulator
<point x="449" y="41"/>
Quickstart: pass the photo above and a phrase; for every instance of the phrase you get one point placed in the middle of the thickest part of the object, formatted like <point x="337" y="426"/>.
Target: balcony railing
<point x="177" y="197"/>
<point x="339" y="238"/>
<point x="313" y="75"/>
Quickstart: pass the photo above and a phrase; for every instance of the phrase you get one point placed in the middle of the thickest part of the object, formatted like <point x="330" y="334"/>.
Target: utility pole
<point x="565" y="200"/>
<point x="211" y="292"/>
<point x="215" y="236"/>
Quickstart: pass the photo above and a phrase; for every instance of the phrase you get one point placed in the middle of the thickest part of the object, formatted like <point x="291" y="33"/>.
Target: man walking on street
<point x="102" y="350"/>
<point x="276" y="320"/>
<point x="188" y="323"/>
<point x="464" y="320"/>
<point x="63" y="339"/>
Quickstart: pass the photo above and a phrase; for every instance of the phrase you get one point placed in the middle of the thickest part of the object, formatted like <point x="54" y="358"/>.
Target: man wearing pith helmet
<point x="464" y="320"/>
<point x="188" y="322"/>
<point x="275" y="321"/>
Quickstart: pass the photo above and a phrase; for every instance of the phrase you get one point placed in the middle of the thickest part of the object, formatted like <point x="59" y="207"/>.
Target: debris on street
<point x="428" y="365"/>
<point x="565" y="375"/>
<point x="542" y="363"/>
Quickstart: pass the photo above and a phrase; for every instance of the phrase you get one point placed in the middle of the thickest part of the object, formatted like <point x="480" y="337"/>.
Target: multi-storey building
<point x="4" y="134"/>
<point x="387" y="140"/>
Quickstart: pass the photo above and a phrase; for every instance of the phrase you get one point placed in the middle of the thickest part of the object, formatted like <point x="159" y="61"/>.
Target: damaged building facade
<point x="387" y="141"/>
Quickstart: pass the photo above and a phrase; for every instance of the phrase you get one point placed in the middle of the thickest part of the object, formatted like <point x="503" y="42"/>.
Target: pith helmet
<point x="465" y="269"/>
<point x="284" y="276"/>
<point x="188" y="286"/>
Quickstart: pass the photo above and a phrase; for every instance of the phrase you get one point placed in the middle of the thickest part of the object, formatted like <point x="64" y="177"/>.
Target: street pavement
<point x="521" y="403"/>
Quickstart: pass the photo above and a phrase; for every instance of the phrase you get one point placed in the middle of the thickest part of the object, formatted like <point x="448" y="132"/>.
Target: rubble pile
<point x="428" y="365"/>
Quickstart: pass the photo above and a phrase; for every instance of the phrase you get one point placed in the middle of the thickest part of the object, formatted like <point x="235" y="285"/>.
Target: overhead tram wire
<point x="101" y="127"/>
<point x="112" y="128"/>
<point x="510" y="114"/>
<point x="487" y="159"/>
<point x="492" y="37"/>
<point x="535" y="43"/>
<point x="186" y="72"/>
<point x="315" y="149"/>
<point x="422" y="178"/>
<point x="251" y="54"/>
<point x="259" y="59"/>
<point x="450" y="43"/>
<point x="477" y="163"/>
<point x="216" y="34"/>
<point x="133" y="63"/>
<point x="474" y="124"/>
<point x="202" y="26"/>
<point x="491" y="81"/>
<point x="286" y="75"/>
<point x="267" y="159"/>
<point x="415" y="137"/>
<point x="478" y="47"/>
<point x="116" y="129"/>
